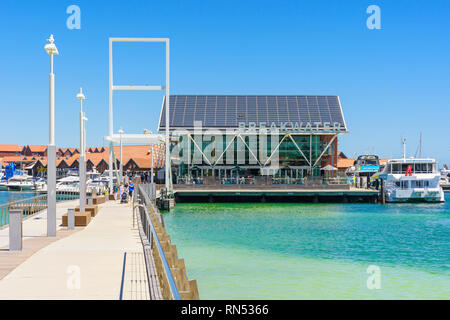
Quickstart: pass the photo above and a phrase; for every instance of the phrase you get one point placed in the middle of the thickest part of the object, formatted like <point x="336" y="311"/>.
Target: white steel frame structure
<point x="145" y="138"/>
<point x="267" y="162"/>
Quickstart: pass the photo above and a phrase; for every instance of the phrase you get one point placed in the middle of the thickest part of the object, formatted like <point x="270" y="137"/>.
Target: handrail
<point x="168" y="272"/>
<point x="31" y="206"/>
<point x="173" y="287"/>
<point x="23" y="200"/>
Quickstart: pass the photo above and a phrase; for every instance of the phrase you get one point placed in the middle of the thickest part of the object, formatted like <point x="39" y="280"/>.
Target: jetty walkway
<point x="104" y="260"/>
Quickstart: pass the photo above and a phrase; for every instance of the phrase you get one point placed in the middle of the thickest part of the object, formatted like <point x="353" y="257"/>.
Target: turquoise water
<point x="314" y="251"/>
<point x="4" y="196"/>
<point x="16" y="196"/>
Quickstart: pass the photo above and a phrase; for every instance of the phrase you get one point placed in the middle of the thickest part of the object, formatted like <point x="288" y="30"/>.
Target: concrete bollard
<point x="71" y="219"/>
<point x="15" y="230"/>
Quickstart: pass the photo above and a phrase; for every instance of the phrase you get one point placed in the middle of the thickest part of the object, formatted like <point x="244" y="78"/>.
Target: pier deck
<point x="101" y="261"/>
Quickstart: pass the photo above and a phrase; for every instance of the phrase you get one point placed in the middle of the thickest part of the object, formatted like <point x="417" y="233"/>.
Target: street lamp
<point x="82" y="160"/>
<point x="51" y="49"/>
<point x="121" y="165"/>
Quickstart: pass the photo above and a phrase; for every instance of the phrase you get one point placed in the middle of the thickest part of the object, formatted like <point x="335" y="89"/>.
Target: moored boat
<point x="411" y="180"/>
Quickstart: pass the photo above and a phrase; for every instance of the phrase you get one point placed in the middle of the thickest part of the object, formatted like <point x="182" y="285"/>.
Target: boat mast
<point x="404" y="149"/>
<point x="420" y="146"/>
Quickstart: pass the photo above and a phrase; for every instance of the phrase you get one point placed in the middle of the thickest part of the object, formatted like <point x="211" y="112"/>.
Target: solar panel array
<point x="226" y="111"/>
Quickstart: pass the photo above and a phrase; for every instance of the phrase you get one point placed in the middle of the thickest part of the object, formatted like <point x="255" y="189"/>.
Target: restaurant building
<point x="251" y="138"/>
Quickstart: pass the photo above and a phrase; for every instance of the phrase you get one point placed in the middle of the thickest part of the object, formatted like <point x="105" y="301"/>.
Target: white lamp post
<point x="82" y="160"/>
<point x="51" y="150"/>
<point x="121" y="165"/>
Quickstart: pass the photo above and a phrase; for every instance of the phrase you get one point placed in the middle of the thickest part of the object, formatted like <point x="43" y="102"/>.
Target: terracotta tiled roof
<point x="96" y="158"/>
<point x="345" y="163"/>
<point x="8" y="159"/>
<point x="140" y="154"/>
<point x="10" y="148"/>
<point x="143" y="163"/>
<point x="37" y="148"/>
<point x="72" y="159"/>
<point x="43" y="161"/>
<point x="59" y="161"/>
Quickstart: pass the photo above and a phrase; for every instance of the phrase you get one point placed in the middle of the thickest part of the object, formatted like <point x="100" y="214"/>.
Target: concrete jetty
<point x="104" y="260"/>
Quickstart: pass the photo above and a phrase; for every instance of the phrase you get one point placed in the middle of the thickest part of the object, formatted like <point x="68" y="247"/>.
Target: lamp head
<point x="120" y="131"/>
<point x="80" y="95"/>
<point x="51" y="47"/>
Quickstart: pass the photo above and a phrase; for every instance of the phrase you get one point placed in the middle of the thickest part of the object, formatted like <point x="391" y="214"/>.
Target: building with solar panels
<point x="253" y="139"/>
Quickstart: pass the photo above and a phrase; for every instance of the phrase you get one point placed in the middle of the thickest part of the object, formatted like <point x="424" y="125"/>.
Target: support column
<point x="111" y="150"/>
<point x="71" y="219"/>
<point x="15" y="230"/>
<point x="82" y="171"/>
<point x="51" y="191"/>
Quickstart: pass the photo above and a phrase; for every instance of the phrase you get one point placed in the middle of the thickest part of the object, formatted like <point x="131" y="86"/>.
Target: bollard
<point x="15" y="230"/>
<point x="90" y="201"/>
<point x="70" y="219"/>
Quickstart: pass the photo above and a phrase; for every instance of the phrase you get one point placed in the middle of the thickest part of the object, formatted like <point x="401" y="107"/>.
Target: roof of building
<point x="43" y="161"/>
<point x="345" y="163"/>
<point x="227" y="111"/>
<point x="341" y="154"/>
<point x="142" y="163"/>
<point x="140" y="154"/>
<point x="37" y="147"/>
<point x="61" y="160"/>
<point x="8" y="159"/>
<point x="10" y="148"/>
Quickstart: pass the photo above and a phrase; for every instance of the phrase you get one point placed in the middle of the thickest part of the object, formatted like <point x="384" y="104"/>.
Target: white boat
<point x="20" y="182"/>
<point x="3" y="186"/>
<point x="71" y="184"/>
<point x="411" y="180"/>
<point x="445" y="179"/>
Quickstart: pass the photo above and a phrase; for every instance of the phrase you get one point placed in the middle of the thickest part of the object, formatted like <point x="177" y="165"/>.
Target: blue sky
<point x="392" y="82"/>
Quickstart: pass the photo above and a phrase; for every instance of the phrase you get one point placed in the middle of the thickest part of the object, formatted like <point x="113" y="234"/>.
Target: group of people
<point x="126" y="188"/>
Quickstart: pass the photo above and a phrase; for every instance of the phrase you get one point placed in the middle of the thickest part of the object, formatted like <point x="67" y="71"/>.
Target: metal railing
<point x="152" y="237"/>
<point x="267" y="181"/>
<point x="31" y="206"/>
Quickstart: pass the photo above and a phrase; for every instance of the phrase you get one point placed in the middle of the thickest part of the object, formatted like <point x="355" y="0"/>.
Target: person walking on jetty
<point x="130" y="189"/>
<point x="121" y="191"/>
<point x="115" y="190"/>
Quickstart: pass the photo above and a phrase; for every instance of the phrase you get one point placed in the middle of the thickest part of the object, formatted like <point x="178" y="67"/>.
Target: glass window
<point x="396" y="168"/>
<point x="417" y="168"/>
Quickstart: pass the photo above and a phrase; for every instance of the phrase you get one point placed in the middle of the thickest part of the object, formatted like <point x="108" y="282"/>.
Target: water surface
<point x="314" y="251"/>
